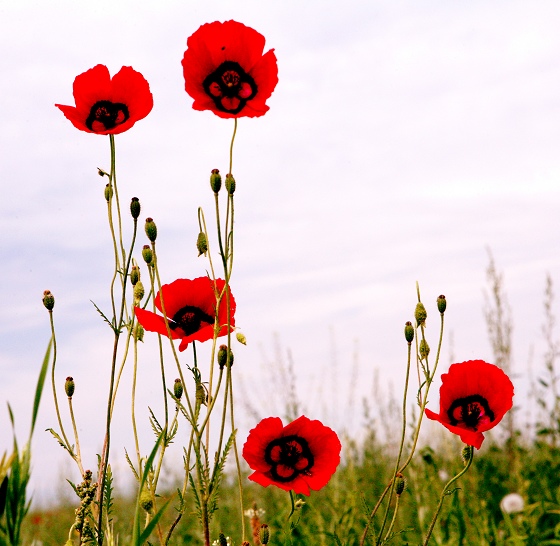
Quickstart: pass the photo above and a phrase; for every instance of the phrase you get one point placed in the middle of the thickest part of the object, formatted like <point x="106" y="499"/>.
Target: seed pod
<point x="147" y="254"/>
<point x="48" y="300"/>
<point x="69" y="387"/>
<point x="441" y="304"/>
<point x="230" y="184"/>
<point x="215" y="180"/>
<point x="178" y="389"/>
<point x="409" y="332"/>
<point x="151" y="229"/>
<point x="135" y="207"/>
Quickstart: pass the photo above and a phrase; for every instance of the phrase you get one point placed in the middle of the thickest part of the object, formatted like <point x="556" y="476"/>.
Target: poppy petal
<point x="108" y="106"/>
<point x="474" y="397"/>
<point x="304" y="450"/>
<point x="219" y="50"/>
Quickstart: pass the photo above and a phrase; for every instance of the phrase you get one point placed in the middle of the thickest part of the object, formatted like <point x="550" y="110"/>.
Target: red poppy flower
<point x="108" y="106"/>
<point x="473" y="398"/>
<point x="226" y="72"/>
<point x="190" y="306"/>
<point x="300" y="456"/>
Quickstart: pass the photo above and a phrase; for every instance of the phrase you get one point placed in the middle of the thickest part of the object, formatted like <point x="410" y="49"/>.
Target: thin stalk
<point x="78" y="458"/>
<point x="104" y="460"/>
<point x="423" y="401"/>
<point x="132" y="406"/>
<point x="398" y="462"/>
<point x="394" y="518"/>
<point x="445" y="493"/>
<point x="68" y="446"/>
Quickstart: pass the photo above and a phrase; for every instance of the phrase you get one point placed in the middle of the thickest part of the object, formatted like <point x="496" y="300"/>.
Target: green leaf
<point x="39" y="389"/>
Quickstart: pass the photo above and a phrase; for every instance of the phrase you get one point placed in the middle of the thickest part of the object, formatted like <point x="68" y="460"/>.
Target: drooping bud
<point x="202" y="244"/>
<point x="264" y="534"/>
<point x="215" y="180"/>
<point x="151" y="229"/>
<point x="178" y="389"/>
<point x="101" y="172"/>
<point x="230" y="184"/>
<point x="408" y="332"/>
<point x="441" y="304"/>
<point x="138" y="291"/>
<point x="146" y="501"/>
<point x="134" y="275"/>
<point x="108" y="192"/>
<point x="139" y="332"/>
<point x="424" y="349"/>
<point x="69" y="386"/>
<point x="400" y="484"/>
<point x="420" y="314"/>
<point x="147" y="254"/>
<point x="48" y="300"/>
<point x="135" y="207"/>
<point x="241" y="338"/>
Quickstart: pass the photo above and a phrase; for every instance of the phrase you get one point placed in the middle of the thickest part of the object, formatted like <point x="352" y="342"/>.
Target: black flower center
<point x="288" y="457"/>
<point x="105" y="115"/>
<point x="230" y="87"/>
<point x="190" y="319"/>
<point x="470" y="411"/>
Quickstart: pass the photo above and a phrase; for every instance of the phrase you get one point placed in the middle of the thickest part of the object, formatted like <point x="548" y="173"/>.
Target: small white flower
<point x="443" y="475"/>
<point x="512" y="503"/>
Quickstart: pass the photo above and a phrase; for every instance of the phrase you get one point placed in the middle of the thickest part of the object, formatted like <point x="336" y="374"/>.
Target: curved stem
<point x="445" y="492"/>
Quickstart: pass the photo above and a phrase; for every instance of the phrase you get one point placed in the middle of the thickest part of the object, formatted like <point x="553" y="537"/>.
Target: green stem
<point x="445" y="493"/>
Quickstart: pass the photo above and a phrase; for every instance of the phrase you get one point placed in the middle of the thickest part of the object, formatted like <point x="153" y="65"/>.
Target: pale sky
<point x="402" y="141"/>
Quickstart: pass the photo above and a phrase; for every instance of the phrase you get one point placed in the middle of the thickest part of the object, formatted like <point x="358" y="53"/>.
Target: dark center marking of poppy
<point x="288" y="457"/>
<point x="470" y="411"/>
<point x="108" y="114"/>
<point x="230" y="87"/>
<point x="190" y="319"/>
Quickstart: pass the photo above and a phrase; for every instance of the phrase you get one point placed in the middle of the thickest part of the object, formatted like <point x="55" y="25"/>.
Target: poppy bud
<point x="215" y="180"/>
<point x="223" y="356"/>
<point x="424" y="349"/>
<point x="264" y="534"/>
<point x="441" y="304"/>
<point x="108" y="192"/>
<point x="138" y="291"/>
<point x="466" y="454"/>
<point x="101" y="172"/>
<point x="200" y="394"/>
<point x="241" y="338"/>
<point x="230" y="184"/>
<point x="69" y="387"/>
<point x="147" y="254"/>
<point x="139" y="332"/>
<point x="178" y="389"/>
<point x="135" y="207"/>
<point x="48" y="300"/>
<point x="202" y="244"/>
<point x="409" y="332"/>
<point x="146" y="501"/>
<point x="151" y="229"/>
<point x="420" y="314"/>
<point x="400" y="484"/>
<point x="222" y="540"/>
<point x="134" y="275"/>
